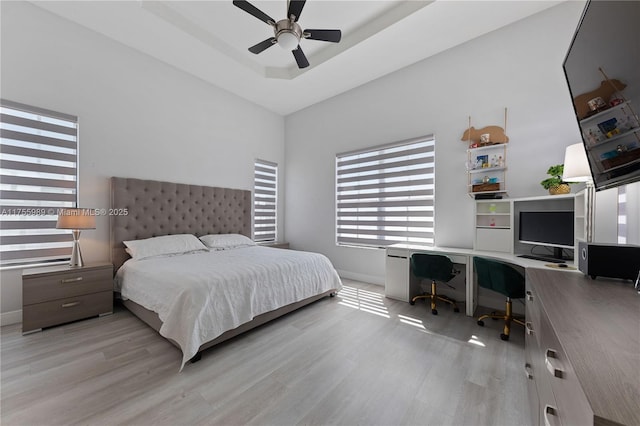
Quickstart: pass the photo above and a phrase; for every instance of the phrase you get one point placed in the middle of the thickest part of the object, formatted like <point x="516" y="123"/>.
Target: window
<point x="265" y="201"/>
<point x="38" y="175"/>
<point x="385" y="195"/>
<point x="622" y="214"/>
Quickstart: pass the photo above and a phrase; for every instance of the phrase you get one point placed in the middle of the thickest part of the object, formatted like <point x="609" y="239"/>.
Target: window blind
<point x="265" y="200"/>
<point x="38" y="175"/>
<point x="385" y="195"/>
<point x="622" y="214"/>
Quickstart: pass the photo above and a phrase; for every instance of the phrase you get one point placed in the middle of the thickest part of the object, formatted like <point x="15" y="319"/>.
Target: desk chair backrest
<point x="432" y="266"/>
<point x="500" y="277"/>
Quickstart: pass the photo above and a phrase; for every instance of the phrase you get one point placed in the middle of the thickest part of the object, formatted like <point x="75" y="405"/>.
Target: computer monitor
<point x="548" y="228"/>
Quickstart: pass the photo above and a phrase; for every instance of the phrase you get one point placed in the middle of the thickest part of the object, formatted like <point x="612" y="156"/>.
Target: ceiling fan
<point x="287" y="32"/>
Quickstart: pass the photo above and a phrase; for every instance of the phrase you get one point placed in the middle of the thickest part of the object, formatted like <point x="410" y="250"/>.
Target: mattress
<point x="199" y="296"/>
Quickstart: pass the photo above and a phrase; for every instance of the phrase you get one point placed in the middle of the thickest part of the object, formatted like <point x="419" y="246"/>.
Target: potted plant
<point x="555" y="185"/>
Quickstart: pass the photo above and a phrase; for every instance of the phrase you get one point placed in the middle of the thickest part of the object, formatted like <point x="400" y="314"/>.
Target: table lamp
<point x="576" y="169"/>
<point x="76" y="219"/>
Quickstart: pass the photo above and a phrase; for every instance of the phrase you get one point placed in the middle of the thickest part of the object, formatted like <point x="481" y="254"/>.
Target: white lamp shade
<point x="576" y="165"/>
<point x="76" y="218"/>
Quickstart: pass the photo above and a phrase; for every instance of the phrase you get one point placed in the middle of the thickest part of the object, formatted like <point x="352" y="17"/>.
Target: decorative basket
<point x="563" y="188"/>
<point x="483" y="187"/>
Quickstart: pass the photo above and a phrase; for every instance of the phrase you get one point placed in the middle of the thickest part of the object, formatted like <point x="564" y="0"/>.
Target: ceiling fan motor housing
<point x="288" y="33"/>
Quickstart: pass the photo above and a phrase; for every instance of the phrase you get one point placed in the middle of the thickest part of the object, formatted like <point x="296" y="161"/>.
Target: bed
<point x="203" y="297"/>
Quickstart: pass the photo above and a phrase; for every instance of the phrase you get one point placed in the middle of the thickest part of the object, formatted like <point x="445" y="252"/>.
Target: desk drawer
<point x="55" y="312"/>
<point x="39" y="289"/>
<point x="398" y="252"/>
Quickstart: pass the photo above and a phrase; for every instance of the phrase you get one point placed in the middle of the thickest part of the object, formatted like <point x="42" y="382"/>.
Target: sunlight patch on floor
<point x="363" y="300"/>
<point x="474" y="340"/>
<point x="411" y="321"/>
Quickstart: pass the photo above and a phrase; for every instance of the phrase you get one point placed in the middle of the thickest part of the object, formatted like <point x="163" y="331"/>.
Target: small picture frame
<point x="482" y="161"/>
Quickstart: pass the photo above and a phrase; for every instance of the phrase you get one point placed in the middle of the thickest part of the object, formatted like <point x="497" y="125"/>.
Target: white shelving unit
<point x="487" y="169"/>
<point x="494" y="226"/>
<point x="496" y="221"/>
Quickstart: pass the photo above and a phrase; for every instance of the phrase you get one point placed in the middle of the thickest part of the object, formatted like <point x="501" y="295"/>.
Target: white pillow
<point x="226" y="241"/>
<point x="164" y="245"/>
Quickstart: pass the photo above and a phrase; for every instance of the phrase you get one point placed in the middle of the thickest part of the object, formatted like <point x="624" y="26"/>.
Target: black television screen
<point x="547" y="228"/>
<point x="602" y="68"/>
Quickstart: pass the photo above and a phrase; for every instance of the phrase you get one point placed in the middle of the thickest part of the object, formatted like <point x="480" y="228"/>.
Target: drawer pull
<point x="529" y="327"/>
<point x="527" y="371"/>
<point x="529" y="295"/>
<point x="70" y="304"/>
<point x="550" y="416"/>
<point x="550" y="360"/>
<point x="71" y="280"/>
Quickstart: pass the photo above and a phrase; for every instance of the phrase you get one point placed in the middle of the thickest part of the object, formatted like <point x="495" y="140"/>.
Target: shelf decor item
<point x="555" y="185"/>
<point x="488" y="135"/>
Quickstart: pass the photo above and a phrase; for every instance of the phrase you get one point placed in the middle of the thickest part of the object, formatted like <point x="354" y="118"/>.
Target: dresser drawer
<point x="59" y="311"/>
<point x="532" y="314"/>
<point x="572" y="405"/>
<point x="531" y="373"/>
<point x="46" y="287"/>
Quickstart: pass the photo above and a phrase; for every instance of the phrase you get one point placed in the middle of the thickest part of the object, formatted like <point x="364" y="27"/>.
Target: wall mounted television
<point x="554" y="229"/>
<point x="602" y="68"/>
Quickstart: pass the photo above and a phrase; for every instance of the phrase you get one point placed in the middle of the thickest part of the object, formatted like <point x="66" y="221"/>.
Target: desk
<point x="400" y="284"/>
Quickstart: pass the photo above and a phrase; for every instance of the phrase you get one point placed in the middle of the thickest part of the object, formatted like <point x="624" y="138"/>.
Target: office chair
<point x="434" y="267"/>
<point x="504" y="279"/>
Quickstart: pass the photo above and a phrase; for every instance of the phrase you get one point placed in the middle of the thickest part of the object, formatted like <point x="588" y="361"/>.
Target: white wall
<point x="519" y="67"/>
<point x="138" y="117"/>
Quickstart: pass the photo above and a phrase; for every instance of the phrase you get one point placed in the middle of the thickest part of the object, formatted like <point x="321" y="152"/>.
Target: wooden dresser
<point x="58" y="294"/>
<point x="582" y="349"/>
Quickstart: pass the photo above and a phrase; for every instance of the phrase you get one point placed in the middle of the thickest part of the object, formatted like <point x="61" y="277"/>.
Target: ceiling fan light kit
<point x="287" y="32"/>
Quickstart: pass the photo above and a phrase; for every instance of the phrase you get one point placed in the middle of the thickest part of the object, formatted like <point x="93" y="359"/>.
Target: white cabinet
<point x="486" y="169"/>
<point x="494" y="226"/>
<point x="396" y="285"/>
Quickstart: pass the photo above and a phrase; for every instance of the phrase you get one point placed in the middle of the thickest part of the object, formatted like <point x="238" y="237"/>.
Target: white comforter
<point x="199" y="296"/>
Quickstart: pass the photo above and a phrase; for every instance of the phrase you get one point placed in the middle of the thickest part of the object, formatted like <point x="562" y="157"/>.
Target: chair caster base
<point x="434" y="311"/>
<point x="412" y="302"/>
<point x="481" y="323"/>
<point x="504" y="336"/>
<point x="456" y="309"/>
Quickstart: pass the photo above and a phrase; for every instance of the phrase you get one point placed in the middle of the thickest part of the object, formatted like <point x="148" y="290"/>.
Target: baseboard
<point x="13" y="317"/>
<point x="371" y="279"/>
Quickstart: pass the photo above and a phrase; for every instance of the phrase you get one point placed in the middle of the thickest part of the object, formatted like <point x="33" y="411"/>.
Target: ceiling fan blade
<point x="333" y="36"/>
<point x="263" y="45"/>
<point x="301" y="59"/>
<point x="251" y="9"/>
<point x="295" y="9"/>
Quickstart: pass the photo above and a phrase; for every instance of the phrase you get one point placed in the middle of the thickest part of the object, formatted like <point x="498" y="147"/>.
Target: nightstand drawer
<point x="43" y="288"/>
<point x="59" y="311"/>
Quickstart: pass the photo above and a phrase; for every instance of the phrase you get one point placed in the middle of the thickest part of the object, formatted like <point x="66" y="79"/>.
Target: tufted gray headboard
<point x="163" y="208"/>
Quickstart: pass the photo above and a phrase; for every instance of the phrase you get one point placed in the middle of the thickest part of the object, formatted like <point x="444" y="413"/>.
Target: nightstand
<point x="275" y="244"/>
<point x="58" y="294"/>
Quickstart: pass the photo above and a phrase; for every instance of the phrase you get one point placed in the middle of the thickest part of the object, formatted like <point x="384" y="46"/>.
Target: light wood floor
<point x="356" y="359"/>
